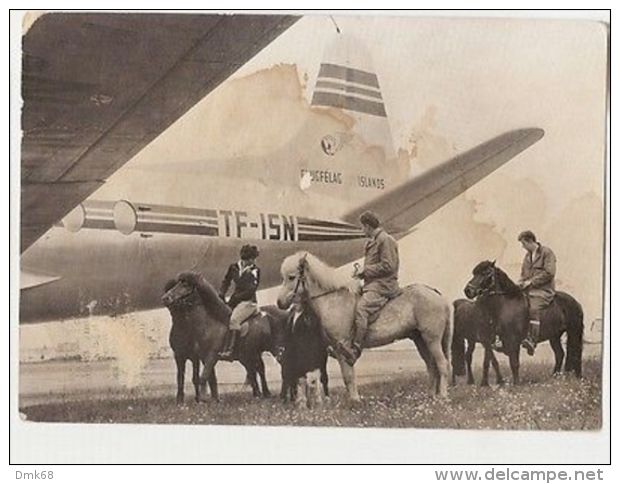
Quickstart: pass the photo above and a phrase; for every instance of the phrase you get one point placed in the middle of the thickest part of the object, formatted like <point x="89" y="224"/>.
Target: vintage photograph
<point x="372" y="221"/>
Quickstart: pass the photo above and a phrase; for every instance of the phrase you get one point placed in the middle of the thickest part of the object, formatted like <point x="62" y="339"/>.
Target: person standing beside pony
<point x="380" y="276"/>
<point x="245" y="275"/>
<point x="538" y="281"/>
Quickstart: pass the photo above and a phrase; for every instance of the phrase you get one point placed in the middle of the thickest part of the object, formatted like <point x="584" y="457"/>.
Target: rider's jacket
<point x="539" y="269"/>
<point x="380" y="271"/>
<point x="246" y="280"/>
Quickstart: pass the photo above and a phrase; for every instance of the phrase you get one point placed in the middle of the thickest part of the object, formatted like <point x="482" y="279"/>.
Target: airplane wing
<point x="413" y="201"/>
<point x="97" y="88"/>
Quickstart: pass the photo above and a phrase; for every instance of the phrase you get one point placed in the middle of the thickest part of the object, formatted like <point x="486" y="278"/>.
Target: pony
<point x="473" y="324"/>
<point x="508" y="308"/>
<point x="196" y="302"/>
<point x="304" y="363"/>
<point x="419" y="313"/>
<point x="189" y="340"/>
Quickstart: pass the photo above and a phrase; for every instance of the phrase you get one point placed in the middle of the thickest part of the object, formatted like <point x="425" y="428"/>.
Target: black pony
<point x="200" y="324"/>
<point x="304" y="352"/>
<point x="473" y="324"/>
<point x="508" y="308"/>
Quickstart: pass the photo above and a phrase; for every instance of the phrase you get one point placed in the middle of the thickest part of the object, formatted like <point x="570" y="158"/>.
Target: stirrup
<point x="351" y="355"/>
<point x="529" y="345"/>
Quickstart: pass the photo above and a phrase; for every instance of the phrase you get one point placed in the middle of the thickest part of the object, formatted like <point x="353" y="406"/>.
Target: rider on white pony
<point x="380" y="276"/>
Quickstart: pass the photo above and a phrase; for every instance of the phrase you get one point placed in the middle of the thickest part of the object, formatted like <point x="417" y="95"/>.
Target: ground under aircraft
<point x="114" y="250"/>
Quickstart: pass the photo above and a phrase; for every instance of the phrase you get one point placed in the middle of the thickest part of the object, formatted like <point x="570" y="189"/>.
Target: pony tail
<point x="574" y="341"/>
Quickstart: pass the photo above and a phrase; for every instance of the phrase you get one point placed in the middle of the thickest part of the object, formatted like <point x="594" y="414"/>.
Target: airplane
<point x="95" y="247"/>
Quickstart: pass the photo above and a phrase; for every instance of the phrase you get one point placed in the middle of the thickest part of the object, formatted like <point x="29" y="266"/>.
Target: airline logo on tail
<point x="347" y="88"/>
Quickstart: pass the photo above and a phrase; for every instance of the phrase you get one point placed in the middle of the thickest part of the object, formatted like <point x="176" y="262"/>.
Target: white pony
<point x="419" y="313"/>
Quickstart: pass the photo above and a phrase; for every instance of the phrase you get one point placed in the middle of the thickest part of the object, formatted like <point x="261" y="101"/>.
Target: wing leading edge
<point x="414" y="200"/>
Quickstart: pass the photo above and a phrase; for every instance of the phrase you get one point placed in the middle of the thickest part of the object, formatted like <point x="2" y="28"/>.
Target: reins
<point x="301" y="283"/>
<point x="496" y="292"/>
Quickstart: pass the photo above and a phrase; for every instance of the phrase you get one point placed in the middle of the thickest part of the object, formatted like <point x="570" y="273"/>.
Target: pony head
<point x="483" y="279"/>
<point x="180" y="289"/>
<point x="305" y="276"/>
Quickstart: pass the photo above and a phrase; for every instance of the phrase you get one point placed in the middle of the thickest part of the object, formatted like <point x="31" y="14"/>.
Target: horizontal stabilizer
<point x="413" y="201"/>
<point x="28" y="280"/>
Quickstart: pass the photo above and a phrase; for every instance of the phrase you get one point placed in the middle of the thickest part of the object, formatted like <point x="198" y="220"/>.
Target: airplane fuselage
<point x="112" y="258"/>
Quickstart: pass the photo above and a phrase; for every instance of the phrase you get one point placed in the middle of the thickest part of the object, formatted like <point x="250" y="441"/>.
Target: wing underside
<point x="97" y="88"/>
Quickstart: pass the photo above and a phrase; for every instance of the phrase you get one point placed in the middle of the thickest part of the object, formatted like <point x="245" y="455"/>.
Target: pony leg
<point x="180" y="379"/>
<point x="498" y="374"/>
<point x="286" y="391"/>
<point x="485" y="368"/>
<point x="196" y="378"/>
<point x="471" y="346"/>
<point x="348" y="375"/>
<point x="260" y="366"/>
<point x="426" y="356"/>
<point x="443" y="367"/>
<point x="514" y="365"/>
<point x="254" y="383"/>
<point x="213" y="386"/>
<point x="250" y="368"/>
<point x="314" y="389"/>
<point x="556" y="345"/>
<point x="208" y="371"/>
<point x="325" y="378"/>
<point x="301" y="397"/>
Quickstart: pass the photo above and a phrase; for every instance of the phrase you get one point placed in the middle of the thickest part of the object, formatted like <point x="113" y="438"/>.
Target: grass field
<point x="541" y="402"/>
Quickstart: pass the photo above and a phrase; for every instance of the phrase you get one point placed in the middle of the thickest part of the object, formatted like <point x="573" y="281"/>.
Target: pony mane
<point x="482" y="267"/>
<point x="325" y="277"/>
<point x="504" y="282"/>
<point x="208" y="295"/>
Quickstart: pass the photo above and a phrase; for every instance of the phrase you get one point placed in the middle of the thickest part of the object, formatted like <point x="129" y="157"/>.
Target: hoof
<point x="355" y="403"/>
<point x="484" y="383"/>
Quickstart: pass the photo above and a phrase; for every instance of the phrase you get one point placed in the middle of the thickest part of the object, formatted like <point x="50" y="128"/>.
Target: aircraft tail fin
<point x="348" y="81"/>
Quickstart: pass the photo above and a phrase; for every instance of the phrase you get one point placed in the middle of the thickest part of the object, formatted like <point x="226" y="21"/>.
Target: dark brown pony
<point x="508" y="308"/>
<point x="189" y="340"/>
<point x="473" y="324"/>
<point x="195" y="302"/>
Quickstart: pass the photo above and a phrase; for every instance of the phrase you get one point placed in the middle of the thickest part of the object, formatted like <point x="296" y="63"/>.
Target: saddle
<point x="374" y="316"/>
<point x="544" y="310"/>
<point x="253" y="319"/>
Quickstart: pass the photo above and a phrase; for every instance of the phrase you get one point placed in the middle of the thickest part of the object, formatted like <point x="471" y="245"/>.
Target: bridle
<point x="302" y="284"/>
<point x="301" y="281"/>
<point x="492" y="289"/>
<point x="185" y="299"/>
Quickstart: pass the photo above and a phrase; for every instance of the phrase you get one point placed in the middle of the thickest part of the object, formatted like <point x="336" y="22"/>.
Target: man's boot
<point x="228" y="353"/>
<point x="351" y="353"/>
<point x="529" y="343"/>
